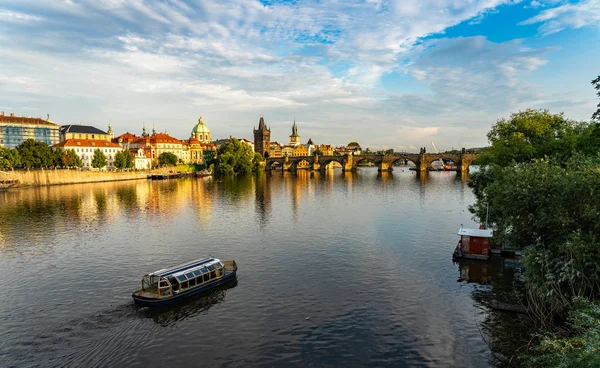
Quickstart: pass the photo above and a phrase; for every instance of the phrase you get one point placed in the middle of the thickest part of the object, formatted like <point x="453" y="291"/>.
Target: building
<point x="294" y="138"/>
<point x="84" y="148"/>
<point x="142" y="159"/>
<point x="287" y="150"/>
<point x="201" y="148"/>
<point x="300" y="150"/>
<point x="326" y="149"/>
<point x="74" y="131"/>
<point x="310" y="146"/>
<point x="262" y="137"/>
<point x="158" y="143"/>
<point x="275" y="149"/>
<point x="16" y="129"/>
<point x="354" y="147"/>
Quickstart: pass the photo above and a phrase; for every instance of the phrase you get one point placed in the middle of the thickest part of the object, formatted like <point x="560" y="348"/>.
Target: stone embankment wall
<point x="34" y="178"/>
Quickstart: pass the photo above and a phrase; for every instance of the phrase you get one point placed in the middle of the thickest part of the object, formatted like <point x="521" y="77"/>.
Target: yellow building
<point x="287" y="150"/>
<point x="84" y="132"/>
<point x="300" y="150"/>
<point x="275" y="149"/>
<point x="16" y="129"/>
<point x="326" y="149"/>
<point x="200" y="147"/>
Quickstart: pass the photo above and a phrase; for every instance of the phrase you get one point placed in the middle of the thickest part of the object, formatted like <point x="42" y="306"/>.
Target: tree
<point x="35" y="154"/>
<point x="167" y="159"/>
<point x="71" y="159"/>
<point x="59" y="152"/>
<point x="129" y="159"/>
<point x="317" y="152"/>
<point x="119" y="160"/>
<point x="9" y="158"/>
<point x="528" y="135"/>
<point x="596" y="84"/>
<point x="98" y="159"/>
<point x="233" y="157"/>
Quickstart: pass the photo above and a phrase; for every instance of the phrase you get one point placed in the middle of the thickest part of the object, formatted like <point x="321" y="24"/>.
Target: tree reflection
<point x="506" y="332"/>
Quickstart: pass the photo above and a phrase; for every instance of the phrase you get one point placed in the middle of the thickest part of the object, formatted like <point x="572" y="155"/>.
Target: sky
<point x="395" y="74"/>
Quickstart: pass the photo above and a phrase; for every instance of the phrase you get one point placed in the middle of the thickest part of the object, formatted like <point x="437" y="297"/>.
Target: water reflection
<point x="191" y="307"/>
<point x="499" y="280"/>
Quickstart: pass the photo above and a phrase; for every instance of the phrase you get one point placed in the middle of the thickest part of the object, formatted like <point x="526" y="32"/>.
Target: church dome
<point x="200" y="128"/>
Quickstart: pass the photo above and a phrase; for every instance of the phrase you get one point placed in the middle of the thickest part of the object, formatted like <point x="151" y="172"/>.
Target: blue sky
<point x="387" y="73"/>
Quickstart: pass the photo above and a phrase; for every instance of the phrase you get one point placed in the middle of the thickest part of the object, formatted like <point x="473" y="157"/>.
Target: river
<point x="335" y="269"/>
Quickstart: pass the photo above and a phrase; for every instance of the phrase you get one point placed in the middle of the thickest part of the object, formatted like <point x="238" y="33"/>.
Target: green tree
<point x="99" y="159"/>
<point x="59" y="152"/>
<point x="167" y="159"/>
<point x="119" y="160"/>
<point x="317" y="152"/>
<point x="9" y="158"/>
<point x="234" y="157"/>
<point x="528" y="135"/>
<point x="35" y="154"/>
<point x="129" y="159"/>
<point x="71" y="159"/>
<point x="596" y="84"/>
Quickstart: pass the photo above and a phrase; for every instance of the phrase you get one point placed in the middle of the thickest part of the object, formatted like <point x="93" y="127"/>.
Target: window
<point x="92" y="136"/>
<point x="206" y="277"/>
<point x="192" y="282"/>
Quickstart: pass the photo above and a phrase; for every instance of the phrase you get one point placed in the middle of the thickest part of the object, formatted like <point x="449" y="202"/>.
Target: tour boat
<point x="473" y="244"/>
<point x="167" y="285"/>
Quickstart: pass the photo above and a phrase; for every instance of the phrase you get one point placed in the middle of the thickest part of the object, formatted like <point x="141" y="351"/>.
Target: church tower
<point x="262" y="137"/>
<point x="294" y="138"/>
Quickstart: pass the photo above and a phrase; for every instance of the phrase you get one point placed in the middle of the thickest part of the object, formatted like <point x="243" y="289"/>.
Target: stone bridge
<point x="349" y="162"/>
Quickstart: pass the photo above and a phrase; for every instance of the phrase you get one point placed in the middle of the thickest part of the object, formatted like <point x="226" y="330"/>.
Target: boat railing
<point x="230" y="266"/>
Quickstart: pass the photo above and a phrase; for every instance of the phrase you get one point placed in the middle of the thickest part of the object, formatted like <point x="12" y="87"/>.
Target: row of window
<point x="113" y="150"/>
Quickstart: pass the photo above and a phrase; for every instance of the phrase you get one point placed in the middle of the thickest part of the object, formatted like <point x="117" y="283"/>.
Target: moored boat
<point x="473" y="244"/>
<point x="167" y="285"/>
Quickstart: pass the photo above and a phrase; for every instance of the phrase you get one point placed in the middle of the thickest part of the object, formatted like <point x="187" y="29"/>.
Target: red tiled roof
<point x="69" y="143"/>
<point x="25" y="120"/>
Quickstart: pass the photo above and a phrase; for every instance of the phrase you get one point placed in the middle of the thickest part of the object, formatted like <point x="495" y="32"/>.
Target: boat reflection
<point x="191" y="307"/>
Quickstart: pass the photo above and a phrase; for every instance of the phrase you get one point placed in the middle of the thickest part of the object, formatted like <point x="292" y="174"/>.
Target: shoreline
<point x="52" y="177"/>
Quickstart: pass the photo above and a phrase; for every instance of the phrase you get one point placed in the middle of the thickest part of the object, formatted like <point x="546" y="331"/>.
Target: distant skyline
<point x="388" y="74"/>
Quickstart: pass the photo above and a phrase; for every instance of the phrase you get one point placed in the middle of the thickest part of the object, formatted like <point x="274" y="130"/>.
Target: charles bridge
<point x="385" y="162"/>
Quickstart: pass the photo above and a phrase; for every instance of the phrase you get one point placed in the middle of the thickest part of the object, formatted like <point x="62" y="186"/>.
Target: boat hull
<point x="159" y="302"/>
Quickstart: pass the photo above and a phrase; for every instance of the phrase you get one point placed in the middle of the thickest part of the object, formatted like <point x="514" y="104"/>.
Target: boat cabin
<point x="169" y="282"/>
<point x="473" y="243"/>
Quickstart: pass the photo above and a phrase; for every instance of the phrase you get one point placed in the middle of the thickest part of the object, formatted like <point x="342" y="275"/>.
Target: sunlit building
<point x="16" y="129"/>
<point x="75" y="131"/>
<point x="85" y="148"/>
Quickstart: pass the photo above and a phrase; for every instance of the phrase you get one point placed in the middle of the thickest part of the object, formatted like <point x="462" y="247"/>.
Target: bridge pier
<point x="348" y="163"/>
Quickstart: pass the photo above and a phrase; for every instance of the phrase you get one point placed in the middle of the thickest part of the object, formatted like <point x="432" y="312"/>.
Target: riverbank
<point x="37" y="178"/>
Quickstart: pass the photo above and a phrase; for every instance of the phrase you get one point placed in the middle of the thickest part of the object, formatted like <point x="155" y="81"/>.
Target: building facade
<point x="201" y="148"/>
<point x="262" y="137"/>
<point x="84" y="148"/>
<point x="74" y="131"/>
<point x="16" y="129"/>
<point x="294" y="138"/>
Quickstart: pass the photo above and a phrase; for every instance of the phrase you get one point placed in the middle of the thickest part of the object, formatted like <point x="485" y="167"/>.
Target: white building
<point x="84" y="148"/>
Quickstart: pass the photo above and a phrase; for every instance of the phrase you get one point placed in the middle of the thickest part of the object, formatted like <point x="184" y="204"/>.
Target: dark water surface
<point x="334" y="270"/>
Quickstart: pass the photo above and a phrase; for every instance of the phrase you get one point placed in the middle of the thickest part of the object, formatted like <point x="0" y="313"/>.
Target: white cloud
<point x="321" y="61"/>
<point x="584" y="13"/>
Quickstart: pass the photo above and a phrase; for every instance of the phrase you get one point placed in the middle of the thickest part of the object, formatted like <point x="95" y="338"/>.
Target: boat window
<point x="212" y="274"/>
<point x="164" y="283"/>
<point x="206" y="277"/>
<point x="197" y="273"/>
<point x="192" y="282"/>
<point x="189" y="275"/>
<point x="211" y="267"/>
<point x="199" y="280"/>
<point x="174" y="283"/>
<point x="181" y="278"/>
<point x="184" y="285"/>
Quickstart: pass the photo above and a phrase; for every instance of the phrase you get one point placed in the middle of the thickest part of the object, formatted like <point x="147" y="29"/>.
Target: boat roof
<point x="196" y="264"/>
<point x="481" y="233"/>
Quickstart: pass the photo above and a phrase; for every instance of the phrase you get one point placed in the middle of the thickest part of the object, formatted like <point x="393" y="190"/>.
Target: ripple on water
<point x="335" y="270"/>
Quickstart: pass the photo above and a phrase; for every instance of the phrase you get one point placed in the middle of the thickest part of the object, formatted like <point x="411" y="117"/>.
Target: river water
<point x="335" y="269"/>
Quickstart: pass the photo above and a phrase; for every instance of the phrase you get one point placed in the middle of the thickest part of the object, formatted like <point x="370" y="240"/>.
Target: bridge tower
<point x="262" y="138"/>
